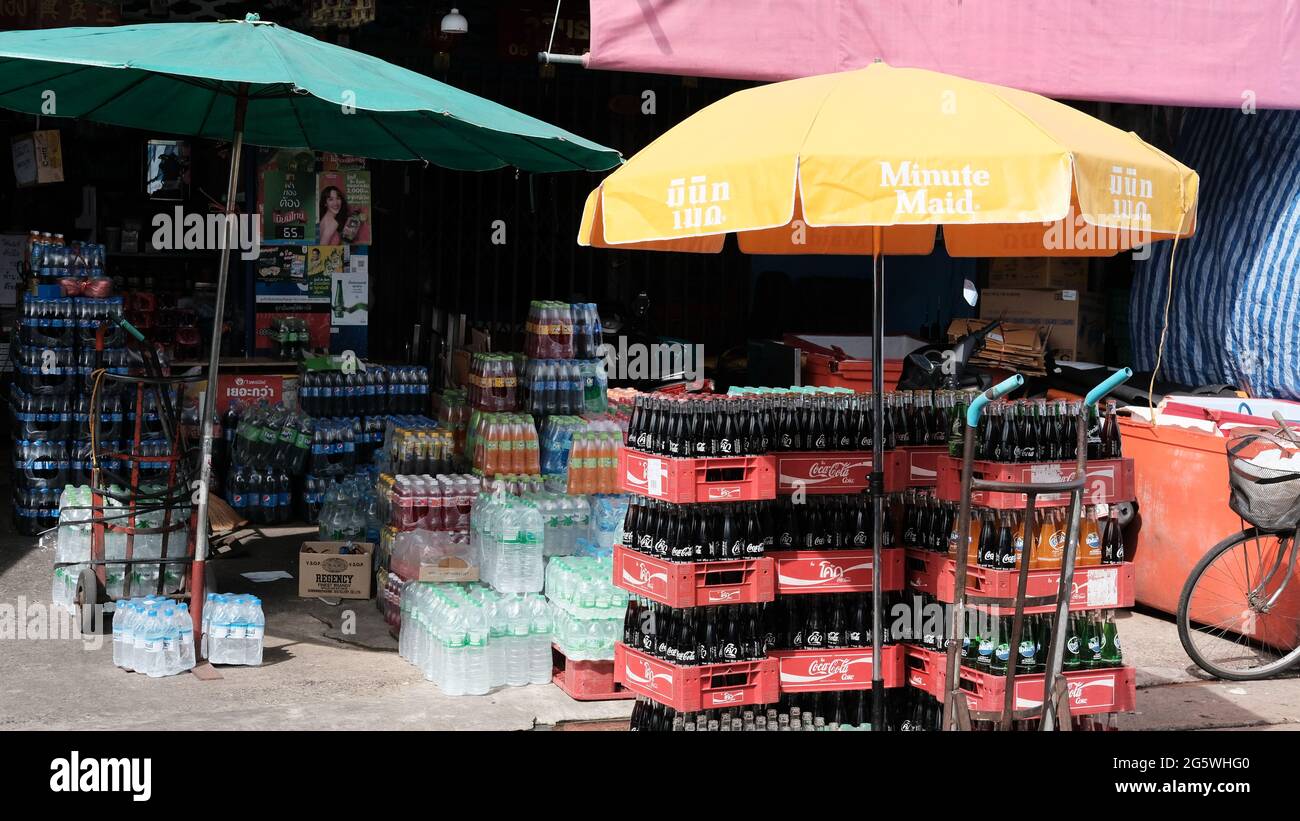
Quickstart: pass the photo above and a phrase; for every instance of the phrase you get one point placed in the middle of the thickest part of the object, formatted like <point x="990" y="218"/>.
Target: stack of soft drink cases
<point x="507" y="532"/>
<point x="270" y="444"/>
<point x="60" y="343"/>
<point x="494" y="382"/>
<point x="588" y="609"/>
<point x="453" y="416"/>
<point x="428" y="502"/>
<point x="582" y="454"/>
<point x="417" y="444"/>
<point x="565" y="386"/>
<point x="469" y="639"/>
<point x="369" y="390"/>
<point x="1042" y="431"/>
<point x="234" y="629"/>
<point x="997" y="538"/>
<point x="558" y="330"/>
<point x="153" y="635"/>
<point x="504" y="443"/>
<point x="54" y="261"/>
<point x="73" y="546"/>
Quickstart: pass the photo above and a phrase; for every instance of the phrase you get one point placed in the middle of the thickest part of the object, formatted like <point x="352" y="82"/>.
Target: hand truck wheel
<point x="87" y="599"/>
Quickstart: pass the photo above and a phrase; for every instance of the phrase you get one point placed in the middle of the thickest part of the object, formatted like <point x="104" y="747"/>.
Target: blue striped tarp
<point x="1235" y="315"/>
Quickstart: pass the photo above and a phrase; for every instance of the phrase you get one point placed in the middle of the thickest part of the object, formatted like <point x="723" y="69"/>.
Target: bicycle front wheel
<point x="1239" y="613"/>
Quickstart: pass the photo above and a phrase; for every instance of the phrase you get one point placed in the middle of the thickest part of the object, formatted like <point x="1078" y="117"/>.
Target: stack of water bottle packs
<point x="469" y="639"/>
<point x="55" y="356"/>
<point x="153" y="635"/>
<point x="508" y="535"/>
<point x="73" y="547"/>
<point x="587" y="608"/>
<point x="234" y="629"/>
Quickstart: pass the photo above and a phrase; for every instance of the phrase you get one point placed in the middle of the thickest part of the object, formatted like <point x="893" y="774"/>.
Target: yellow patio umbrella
<point x="872" y="161"/>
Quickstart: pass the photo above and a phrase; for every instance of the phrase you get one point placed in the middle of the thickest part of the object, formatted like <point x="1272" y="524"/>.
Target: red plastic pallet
<point x="1094" y="588"/>
<point x="836" y="471"/>
<point x="1109" y="481"/>
<point x="586" y="680"/>
<point x="694" y="584"/>
<point x="923" y="464"/>
<point x="836" y="571"/>
<point x="1103" y="690"/>
<point x="804" y="671"/>
<point x="687" y="481"/>
<point x="688" y="689"/>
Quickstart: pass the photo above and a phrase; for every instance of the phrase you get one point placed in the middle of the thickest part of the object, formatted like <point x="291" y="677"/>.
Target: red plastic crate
<point x="836" y="571"/>
<point x="836" y="471"/>
<point x="1094" y="588"/>
<point x="694" y="584"/>
<point x="687" y="481"/>
<point x="1109" y="481"/>
<point x="688" y="689"/>
<point x="923" y="464"/>
<point x="1104" y="690"/>
<point x="586" y="680"/>
<point x="804" y="671"/>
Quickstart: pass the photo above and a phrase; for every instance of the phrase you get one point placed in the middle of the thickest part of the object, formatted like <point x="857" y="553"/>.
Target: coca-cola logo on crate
<point x="835" y="469"/>
<point x="648" y="676"/>
<point x="643" y="576"/>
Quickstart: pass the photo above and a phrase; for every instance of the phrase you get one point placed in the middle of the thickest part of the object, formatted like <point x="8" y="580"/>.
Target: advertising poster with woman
<point x="344" y="207"/>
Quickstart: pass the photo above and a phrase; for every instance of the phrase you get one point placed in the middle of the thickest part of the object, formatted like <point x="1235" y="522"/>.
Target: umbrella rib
<point x="207" y="112"/>
<point x="533" y="141"/>
<point x="414" y="154"/>
<point x="75" y="70"/>
<point x="132" y="87"/>
<point x="463" y="138"/>
<point x="297" y="118"/>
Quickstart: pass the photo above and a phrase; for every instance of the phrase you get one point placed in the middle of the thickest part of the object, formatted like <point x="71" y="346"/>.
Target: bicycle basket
<point x="1264" y="477"/>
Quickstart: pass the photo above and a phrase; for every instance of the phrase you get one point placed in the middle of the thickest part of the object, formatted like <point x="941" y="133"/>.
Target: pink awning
<point x="1220" y="53"/>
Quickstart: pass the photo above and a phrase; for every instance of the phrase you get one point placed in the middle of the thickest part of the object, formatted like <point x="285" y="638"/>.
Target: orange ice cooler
<point x="1182" y="497"/>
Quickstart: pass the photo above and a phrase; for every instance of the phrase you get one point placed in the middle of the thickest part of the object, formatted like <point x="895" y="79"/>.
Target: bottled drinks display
<point x="689" y="636"/>
<point x="1039" y="430"/>
<point x="234" y="629"/>
<point x="271" y="436"/>
<point x="593" y="463"/>
<point x="427" y="502"/>
<point x="562" y="386"/>
<point x="453" y="416"/>
<point x="701" y="427"/>
<point x="417" y="444"/>
<point x="291" y="338"/>
<point x="997" y="538"/>
<point x="558" y="330"/>
<point x="410" y="551"/>
<point x="504" y="443"/>
<point x="55" y="261"/>
<point x="371" y="390"/>
<point x="494" y="382"/>
<point x="698" y="533"/>
<point x="350" y="512"/>
<point x="468" y="639"/>
<point x="588" y="609"/>
<point x="801" y="712"/>
<point x="1091" y="643"/>
<point x="507" y="533"/>
<point x="832" y="522"/>
<point x="828" y="621"/>
<point x="154" y="636"/>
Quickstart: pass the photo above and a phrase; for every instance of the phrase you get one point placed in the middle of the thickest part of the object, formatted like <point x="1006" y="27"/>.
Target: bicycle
<point x="1239" y="612"/>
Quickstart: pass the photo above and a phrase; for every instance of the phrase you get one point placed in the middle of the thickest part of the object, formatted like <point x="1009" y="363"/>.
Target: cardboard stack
<point x="1049" y="293"/>
<point x="1010" y="347"/>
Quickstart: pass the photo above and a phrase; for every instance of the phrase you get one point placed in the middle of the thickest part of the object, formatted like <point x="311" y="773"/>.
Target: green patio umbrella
<point x="251" y="80"/>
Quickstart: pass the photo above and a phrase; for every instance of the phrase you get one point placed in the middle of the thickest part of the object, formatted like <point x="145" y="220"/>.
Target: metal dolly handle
<point x="956" y="709"/>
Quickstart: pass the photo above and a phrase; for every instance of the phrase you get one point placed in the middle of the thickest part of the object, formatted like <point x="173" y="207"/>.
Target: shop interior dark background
<point x="433" y="228"/>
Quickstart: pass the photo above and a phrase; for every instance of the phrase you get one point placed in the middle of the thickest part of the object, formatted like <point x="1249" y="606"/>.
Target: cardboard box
<point x="1075" y="320"/>
<point x="1054" y="273"/>
<point x="38" y="158"/>
<point x="324" y="571"/>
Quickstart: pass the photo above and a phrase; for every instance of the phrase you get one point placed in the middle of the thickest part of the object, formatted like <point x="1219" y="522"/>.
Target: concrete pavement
<point x="335" y="667"/>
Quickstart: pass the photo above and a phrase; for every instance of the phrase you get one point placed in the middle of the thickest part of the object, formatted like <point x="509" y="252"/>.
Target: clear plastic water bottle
<point x="540" y="640"/>
<point x="517" y="641"/>
<point x="185" y="633"/>
<point x="477" y="681"/>
<point x="255" y="632"/>
<point x="454" y="680"/>
<point x="171" y="643"/>
<point x="120" y="634"/>
<point x="153" y="661"/>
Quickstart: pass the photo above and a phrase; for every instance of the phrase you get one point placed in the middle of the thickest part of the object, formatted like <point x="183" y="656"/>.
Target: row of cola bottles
<point x="906" y="710"/>
<point x="722" y="634"/>
<point x="747" y="530"/>
<point x="1010" y="431"/>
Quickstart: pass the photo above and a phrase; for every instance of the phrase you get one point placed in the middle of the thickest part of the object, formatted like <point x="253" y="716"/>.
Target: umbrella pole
<point x="877" y="483"/>
<point x="214" y="358"/>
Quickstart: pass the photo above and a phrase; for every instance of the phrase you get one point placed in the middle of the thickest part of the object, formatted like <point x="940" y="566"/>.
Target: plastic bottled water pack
<point x="234" y="629"/>
<point x="154" y="636"/>
<point x="588" y="608"/>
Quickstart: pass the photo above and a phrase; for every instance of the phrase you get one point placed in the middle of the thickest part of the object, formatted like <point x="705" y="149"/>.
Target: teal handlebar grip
<point x="996" y="392"/>
<point x="1111" y="383"/>
<point x="131" y="329"/>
